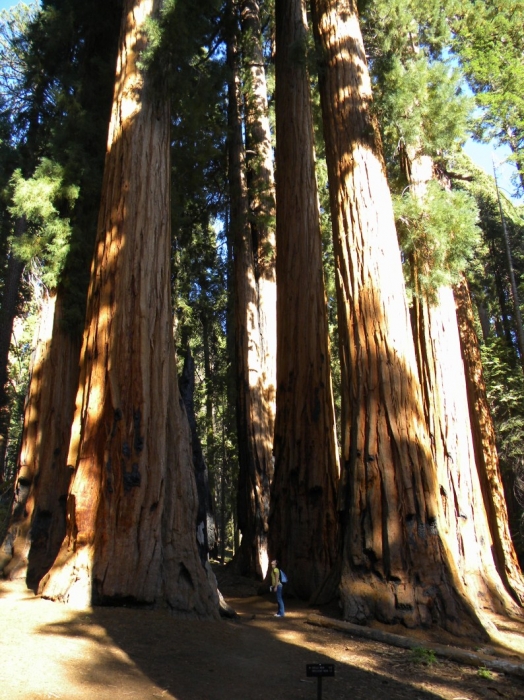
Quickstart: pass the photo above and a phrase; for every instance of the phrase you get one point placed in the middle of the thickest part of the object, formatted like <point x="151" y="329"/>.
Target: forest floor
<point x="48" y="650"/>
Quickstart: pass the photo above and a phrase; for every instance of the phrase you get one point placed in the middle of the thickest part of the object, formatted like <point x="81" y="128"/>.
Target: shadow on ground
<point x="51" y="651"/>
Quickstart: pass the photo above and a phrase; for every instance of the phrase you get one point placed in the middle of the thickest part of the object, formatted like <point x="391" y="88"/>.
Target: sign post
<point x="320" y="671"/>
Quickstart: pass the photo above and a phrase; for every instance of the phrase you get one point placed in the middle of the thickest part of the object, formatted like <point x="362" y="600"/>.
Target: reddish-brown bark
<point x="303" y="526"/>
<point x="37" y="524"/>
<point x="396" y="563"/>
<point x="131" y="508"/>
<point x="252" y="210"/>
<point x="484" y="444"/>
<point x="464" y="507"/>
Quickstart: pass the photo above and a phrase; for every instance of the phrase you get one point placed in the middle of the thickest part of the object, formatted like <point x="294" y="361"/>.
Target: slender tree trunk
<point x="502" y="321"/>
<point x="485" y="446"/>
<point x="261" y="195"/>
<point x="254" y="345"/>
<point x="131" y="508"/>
<point x="396" y="563"/>
<point x="303" y="524"/>
<point x="206" y="529"/>
<point x="223" y="514"/>
<point x="517" y="318"/>
<point x="37" y="525"/>
<point x="8" y="304"/>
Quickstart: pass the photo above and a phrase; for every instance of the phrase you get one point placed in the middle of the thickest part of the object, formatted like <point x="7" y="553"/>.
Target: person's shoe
<point x="277" y="615"/>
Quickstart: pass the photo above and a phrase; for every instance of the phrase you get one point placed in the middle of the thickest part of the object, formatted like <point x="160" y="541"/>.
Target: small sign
<point x="320" y="670"/>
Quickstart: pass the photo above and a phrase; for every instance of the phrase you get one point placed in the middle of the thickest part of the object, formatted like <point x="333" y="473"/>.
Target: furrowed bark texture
<point x="465" y="521"/>
<point x="396" y="566"/>
<point x="460" y="466"/>
<point x="303" y="527"/>
<point x="131" y="509"/>
<point x="485" y="446"/>
<point x="256" y="468"/>
<point x="254" y="347"/>
<point x="37" y="525"/>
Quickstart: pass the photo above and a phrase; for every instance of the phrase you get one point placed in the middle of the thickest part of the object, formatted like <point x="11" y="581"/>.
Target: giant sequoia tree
<point x="438" y="238"/>
<point x="397" y="564"/>
<point x="252" y="211"/>
<point x="131" y="508"/>
<point x="302" y="522"/>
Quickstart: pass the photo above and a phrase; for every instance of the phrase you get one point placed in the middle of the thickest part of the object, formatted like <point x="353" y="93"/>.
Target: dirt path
<point x="50" y="651"/>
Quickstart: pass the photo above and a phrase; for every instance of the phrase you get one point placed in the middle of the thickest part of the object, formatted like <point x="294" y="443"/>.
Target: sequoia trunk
<point x="396" y="566"/>
<point x="37" y="524"/>
<point x="303" y="524"/>
<point x="485" y="446"/>
<point x="132" y="505"/>
<point x="255" y="339"/>
<point x="465" y="520"/>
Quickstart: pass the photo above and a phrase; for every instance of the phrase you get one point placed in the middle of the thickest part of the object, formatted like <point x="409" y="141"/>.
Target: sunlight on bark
<point x="129" y="81"/>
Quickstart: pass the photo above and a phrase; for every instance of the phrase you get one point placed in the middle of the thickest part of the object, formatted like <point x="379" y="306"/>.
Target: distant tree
<point x="488" y="40"/>
<point x="14" y="26"/>
<point x="38" y="515"/>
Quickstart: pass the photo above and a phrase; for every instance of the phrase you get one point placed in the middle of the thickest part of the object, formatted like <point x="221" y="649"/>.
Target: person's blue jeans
<point x="280" y="602"/>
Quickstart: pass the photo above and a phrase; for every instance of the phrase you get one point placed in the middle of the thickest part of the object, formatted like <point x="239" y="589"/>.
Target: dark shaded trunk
<point x="8" y="306"/>
<point x="303" y="523"/>
<point x="206" y="529"/>
<point x="37" y="525"/>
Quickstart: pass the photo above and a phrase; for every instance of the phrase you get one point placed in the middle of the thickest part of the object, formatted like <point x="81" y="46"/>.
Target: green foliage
<point x="69" y="77"/>
<point x="421" y="655"/>
<point x="488" y="273"/>
<point x="489" y="41"/>
<point x="485" y="673"/>
<point x="417" y="93"/>
<point x="437" y="233"/>
<point x="401" y="27"/>
<point x="420" y="105"/>
<point x="44" y="200"/>
<point x="21" y="350"/>
<point x="180" y="37"/>
<point x="14" y="25"/>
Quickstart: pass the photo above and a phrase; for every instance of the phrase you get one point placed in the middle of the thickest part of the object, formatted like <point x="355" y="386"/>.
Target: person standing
<point x="276" y="585"/>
